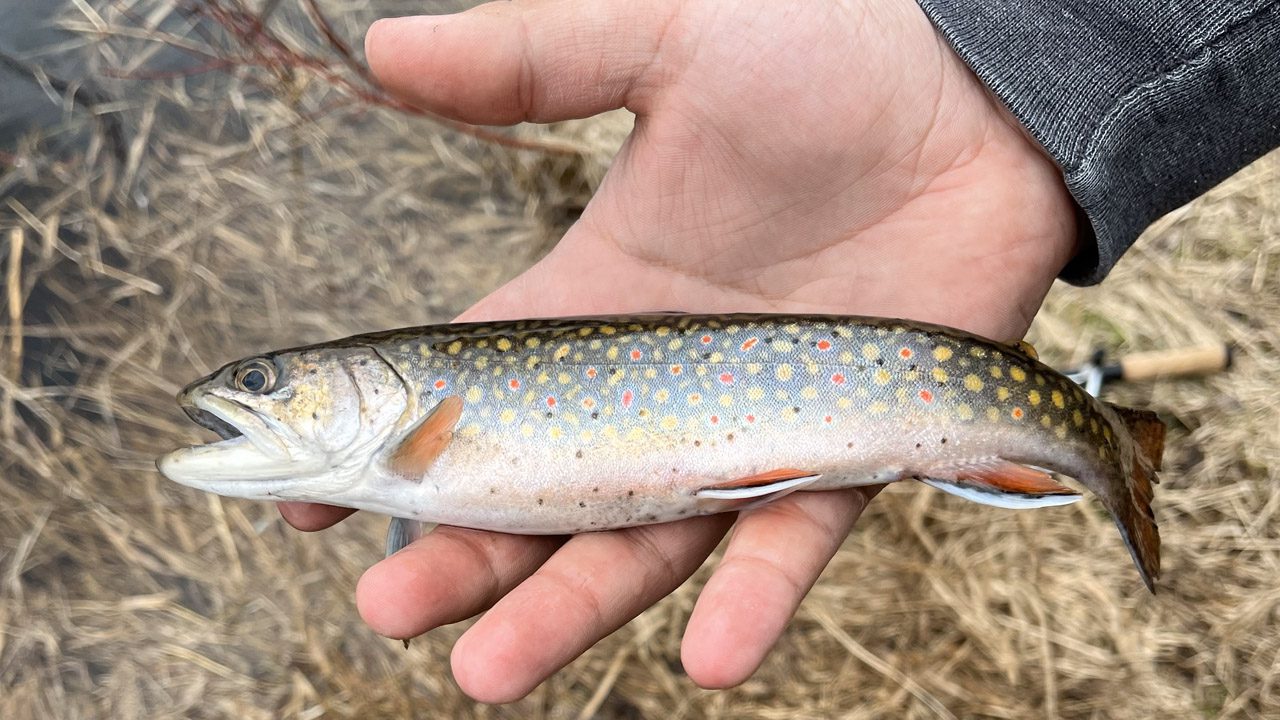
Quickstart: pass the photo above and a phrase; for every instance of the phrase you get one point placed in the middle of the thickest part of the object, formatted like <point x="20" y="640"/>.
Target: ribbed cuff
<point x="1144" y="104"/>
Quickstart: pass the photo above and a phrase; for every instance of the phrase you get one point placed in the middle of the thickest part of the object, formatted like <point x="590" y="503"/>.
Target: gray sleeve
<point x="1145" y="104"/>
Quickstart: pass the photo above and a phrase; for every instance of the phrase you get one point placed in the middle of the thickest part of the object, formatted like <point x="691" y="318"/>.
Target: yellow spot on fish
<point x="942" y="353"/>
<point x="674" y="344"/>
<point x="754" y="368"/>
<point x="612" y="352"/>
<point x="964" y="412"/>
<point x="870" y="352"/>
<point x="526" y="430"/>
<point x="1106" y="431"/>
<point x="635" y="434"/>
<point x="1002" y="393"/>
<point x="883" y="377"/>
<point x="616" y="377"/>
<point x="780" y="346"/>
<point x="783" y="372"/>
<point x="1046" y="421"/>
<point x="595" y="344"/>
<point x="695" y="398"/>
<point x="661" y="395"/>
<point x="978" y="351"/>
<point x="474" y="393"/>
<point x="1077" y="418"/>
<point x="555" y="432"/>
<point x="1018" y="374"/>
<point x="1033" y="397"/>
<point x="669" y="422"/>
<point x="993" y="414"/>
<point x="561" y="352"/>
<point x="755" y="393"/>
<point x="846" y="357"/>
<point x="585" y="436"/>
<point x="542" y="378"/>
<point x="1061" y="432"/>
<point x="455" y="347"/>
<point x="972" y="383"/>
<point x="1093" y="425"/>
<point x="809" y="393"/>
<point x="726" y="400"/>
<point x="650" y="373"/>
<point x="716" y="357"/>
<point x="610" y="432"/>
<point x="844" y="403"/>
<point x="482" y="343"/>
<point x="662" y="331"/>
<point x="608" y="330"/>
<point x="563" y="378"/>
<point x="531" y="362"/>
<point x="482" y="362"/>
<point x="532" y="342"/>
<point x="1058" y="400"/>
<point x="585" y="332"/>
<point x="878" y="407"/>
<point x="939" y="375"/>
<point x="996" y="372"/>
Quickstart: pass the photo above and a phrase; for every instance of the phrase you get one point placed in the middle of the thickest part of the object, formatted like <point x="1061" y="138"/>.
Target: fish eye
<point x="255" y="376"/>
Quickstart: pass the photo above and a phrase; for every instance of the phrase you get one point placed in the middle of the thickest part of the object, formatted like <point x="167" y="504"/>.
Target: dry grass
<point x="239" y="218"/>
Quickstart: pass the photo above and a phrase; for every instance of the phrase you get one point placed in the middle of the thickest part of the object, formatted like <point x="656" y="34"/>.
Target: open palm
<point x="827" y="157"/>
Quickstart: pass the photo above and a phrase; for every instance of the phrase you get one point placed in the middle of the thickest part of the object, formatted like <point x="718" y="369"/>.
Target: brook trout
<point x="562" y="426"/>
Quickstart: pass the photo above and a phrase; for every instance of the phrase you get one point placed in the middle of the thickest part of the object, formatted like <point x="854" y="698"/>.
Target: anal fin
<point x="754" y="490"/>
<point x="1000" y="483"/>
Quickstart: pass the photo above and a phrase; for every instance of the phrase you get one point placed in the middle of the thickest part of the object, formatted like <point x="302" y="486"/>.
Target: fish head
<point x="294" y="425"/>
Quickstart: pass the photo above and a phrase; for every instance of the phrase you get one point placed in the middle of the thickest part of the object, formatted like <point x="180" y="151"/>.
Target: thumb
<point x="509" y="62"/>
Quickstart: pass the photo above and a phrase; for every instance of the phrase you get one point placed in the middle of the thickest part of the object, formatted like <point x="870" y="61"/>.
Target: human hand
<point x="787" y="157"/>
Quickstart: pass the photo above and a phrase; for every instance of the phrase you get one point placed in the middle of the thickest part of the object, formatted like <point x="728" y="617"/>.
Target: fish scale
<point x="571" y="425"/>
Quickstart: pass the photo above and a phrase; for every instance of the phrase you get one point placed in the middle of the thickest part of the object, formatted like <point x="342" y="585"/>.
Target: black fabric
<point x="1145" y="104"/>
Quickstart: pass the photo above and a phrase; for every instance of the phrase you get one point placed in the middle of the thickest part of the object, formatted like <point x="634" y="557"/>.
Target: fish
<point x="570" y="425"/>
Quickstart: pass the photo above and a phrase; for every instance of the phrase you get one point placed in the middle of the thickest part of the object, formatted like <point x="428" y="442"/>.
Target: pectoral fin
<point x="424" y="442"/>
<point x="999" y="482"/>
<point x="401" y="532"/>
<point x="755" y="490"/>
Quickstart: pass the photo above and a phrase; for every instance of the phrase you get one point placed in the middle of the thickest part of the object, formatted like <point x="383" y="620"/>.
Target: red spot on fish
<point x="676" y="369"/>
<point x="635" y="354"/>
<point x="440" y="384"/>
<point x="750" y="343"/>
<point x="1017" y="413"/>
<point x="551" y="401"/>
<point x="514" y="384"/>
<point x="824" y="345"/>
<point x="751" y="418"/>
<point x="706" y="339"/>
<point x="588" y="403"/>
<point x="906" y="353"/>
<point x="838" y="378"/>
<point x="926" y="396"/>
<point x="827" y="418"/>
<point x="627" y="397"/>
<point x="726" y="378"/>
<point x="591" y="373"/>
<point x="715" y="419"/>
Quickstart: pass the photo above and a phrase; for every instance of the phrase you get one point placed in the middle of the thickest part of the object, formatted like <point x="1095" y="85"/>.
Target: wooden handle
<point x="1170" y="363"/>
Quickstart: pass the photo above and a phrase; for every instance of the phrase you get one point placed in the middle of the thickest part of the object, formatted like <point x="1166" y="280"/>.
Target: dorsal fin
<point x="424" y="442"/>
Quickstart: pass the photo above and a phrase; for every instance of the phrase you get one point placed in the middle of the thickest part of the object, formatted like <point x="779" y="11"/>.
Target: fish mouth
<point x="256" y="457"/>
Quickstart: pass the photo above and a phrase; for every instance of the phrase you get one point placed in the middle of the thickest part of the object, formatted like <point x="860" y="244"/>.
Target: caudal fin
<point x="1135" y="519"/>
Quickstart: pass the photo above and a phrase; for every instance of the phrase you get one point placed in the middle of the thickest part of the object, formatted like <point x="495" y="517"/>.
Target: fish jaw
<point x="254" y="460"/>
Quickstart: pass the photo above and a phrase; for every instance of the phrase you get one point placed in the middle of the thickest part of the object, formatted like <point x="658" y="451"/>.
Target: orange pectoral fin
<point x="426" y="440"/>
<point x="754" y="490"/>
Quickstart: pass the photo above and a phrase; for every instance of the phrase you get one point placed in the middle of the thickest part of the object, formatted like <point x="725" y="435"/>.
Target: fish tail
<point x="1133" y="514"/>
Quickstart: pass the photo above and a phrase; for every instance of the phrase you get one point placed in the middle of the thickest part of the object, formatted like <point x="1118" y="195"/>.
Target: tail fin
<point x="1135" y="519"/>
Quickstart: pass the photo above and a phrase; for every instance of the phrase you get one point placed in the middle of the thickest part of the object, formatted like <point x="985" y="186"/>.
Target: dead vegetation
<point x="247" y="213"/>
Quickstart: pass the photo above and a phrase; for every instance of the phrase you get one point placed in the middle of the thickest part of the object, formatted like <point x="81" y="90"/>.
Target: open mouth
<point x="209" y="421"/>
